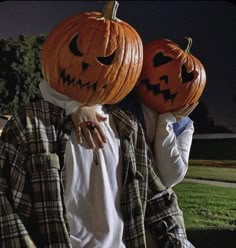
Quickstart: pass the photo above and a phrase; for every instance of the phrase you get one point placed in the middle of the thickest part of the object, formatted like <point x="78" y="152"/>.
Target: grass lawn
<point x="207" y="206"/>
<point x="222" y="173"/>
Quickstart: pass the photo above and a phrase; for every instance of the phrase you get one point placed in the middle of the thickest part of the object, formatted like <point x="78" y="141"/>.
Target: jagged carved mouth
<point x="155" y="88"/>
<point x="69" y="80"/>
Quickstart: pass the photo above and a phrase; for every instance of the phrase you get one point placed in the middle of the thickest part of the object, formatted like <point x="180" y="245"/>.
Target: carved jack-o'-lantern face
<point x="170" y="78"/>
<point x="92" y="59"/>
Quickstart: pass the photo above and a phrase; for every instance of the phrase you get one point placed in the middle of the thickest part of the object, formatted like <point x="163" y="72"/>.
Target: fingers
<point x="94" y="135"/>
<point x="78" y="134"/>
<point x="190" y="109"/>
<point x="178" y="114"/>
<point x="100" y="118"/>
<point x="88" y="137"/>
<point x="101" y="135"/>
<point x="184" y="111"/>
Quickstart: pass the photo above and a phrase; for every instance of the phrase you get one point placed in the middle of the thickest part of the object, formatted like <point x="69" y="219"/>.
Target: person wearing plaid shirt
<point x="32" y="183"/>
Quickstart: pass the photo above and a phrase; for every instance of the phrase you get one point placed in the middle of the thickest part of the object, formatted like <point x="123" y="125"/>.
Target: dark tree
<point x="20" y="71"/>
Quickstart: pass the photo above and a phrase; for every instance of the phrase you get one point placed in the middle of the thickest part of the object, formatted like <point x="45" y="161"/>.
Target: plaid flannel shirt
<point x="33" y="214"/>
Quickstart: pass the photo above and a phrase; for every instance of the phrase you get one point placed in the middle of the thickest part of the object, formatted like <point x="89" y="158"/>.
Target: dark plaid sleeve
<point x="14" y="198"/>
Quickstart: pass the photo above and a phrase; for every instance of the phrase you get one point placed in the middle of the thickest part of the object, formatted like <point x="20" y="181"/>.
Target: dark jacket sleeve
<point x="163" y="217"/>
<point x="14" y="199"/>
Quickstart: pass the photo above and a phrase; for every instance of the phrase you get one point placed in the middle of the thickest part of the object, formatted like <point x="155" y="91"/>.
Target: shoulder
<point x="41" y="110"/>
<point x="128" y="126"/>
<point x="125" y="117"/>
<point x="35" y="115"/>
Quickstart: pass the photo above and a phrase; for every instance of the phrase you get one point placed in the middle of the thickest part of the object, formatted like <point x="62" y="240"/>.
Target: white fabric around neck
<point x="54" y="97"/>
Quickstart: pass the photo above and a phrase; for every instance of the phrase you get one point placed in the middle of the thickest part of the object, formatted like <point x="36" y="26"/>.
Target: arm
<point x="163" y="216"/>
<point x="171" y="151"/>
<point x="14" y="202"/>
<point x="171" y="142"/>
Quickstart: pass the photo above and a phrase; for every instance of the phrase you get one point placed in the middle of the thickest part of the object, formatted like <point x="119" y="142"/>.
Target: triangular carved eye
<point x="160" y="59"/>
<point x="107" y="60"/>
<point x="74" y="47"/>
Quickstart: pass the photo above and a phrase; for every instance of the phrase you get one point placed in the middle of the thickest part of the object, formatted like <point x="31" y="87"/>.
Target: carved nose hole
<point x="164" y="78"/>
<point x="84" y="66"/>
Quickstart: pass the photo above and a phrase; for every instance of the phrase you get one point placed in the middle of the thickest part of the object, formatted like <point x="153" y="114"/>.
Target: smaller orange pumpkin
<point x="171" y="77"/>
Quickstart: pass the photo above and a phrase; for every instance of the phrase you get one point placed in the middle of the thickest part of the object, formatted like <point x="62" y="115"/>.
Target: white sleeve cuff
<point x="71" y="106"/>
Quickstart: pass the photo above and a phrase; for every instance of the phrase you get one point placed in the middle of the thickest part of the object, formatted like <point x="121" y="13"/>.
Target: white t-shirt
<point x="92" y="191"/>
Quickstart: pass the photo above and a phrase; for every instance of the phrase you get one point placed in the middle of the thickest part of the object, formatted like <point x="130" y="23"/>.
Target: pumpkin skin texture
<point x="171" y="77"/>
<point x="92" y="59"/>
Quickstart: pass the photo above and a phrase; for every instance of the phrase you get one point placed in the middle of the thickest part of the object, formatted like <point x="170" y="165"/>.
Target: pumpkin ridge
<point x="119" y="91"/>
<point x="91" y="47"/>
<point x="101" y="78"/>
<point x="138" y="52"/>
<point x="118" y="70"/>
<point x="198" y="85"/>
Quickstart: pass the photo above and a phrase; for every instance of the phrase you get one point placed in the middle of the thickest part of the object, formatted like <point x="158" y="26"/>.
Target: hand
<point x="184" y="111"/>
<point x="93" y="135"/>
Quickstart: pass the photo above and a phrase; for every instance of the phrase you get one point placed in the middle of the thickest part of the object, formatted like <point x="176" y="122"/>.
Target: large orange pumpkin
<point x="171" y="76"/>
<point x="93" y="57"/>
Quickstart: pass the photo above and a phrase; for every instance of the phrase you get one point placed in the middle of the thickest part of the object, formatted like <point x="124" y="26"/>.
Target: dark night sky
<point x="211" y="24"/>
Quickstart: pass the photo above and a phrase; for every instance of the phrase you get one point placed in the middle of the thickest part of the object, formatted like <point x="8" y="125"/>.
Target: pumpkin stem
<point x="189" y="44"/>
<point x="110" y="9"/>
